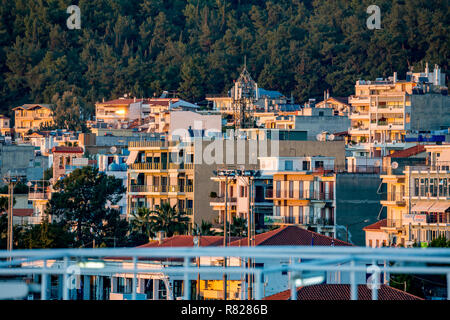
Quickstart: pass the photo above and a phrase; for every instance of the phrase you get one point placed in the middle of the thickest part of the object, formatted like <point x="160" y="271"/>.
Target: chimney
<point x="426" y="69"/>
<point x="134" y="99"/>
<point x="395" y="77"/>
<point x="328" y="93"/>
<point x="161" y="236"/>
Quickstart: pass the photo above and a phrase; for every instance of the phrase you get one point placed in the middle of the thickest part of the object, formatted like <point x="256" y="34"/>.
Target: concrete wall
<point x="430" y="112"/>
<point x="15" y="158"/>
<point x="316" y="124"/>
<point x="203" y="185"/>
<point x="356" y="200"/>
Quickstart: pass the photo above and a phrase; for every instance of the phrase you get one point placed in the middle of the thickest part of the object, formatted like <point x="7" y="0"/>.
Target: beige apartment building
<point x="385" y="110"/>
<point x="304" y="190"/>
<point x="32" y="117"/>
<point x="164" y="172"/>
<point x="380" y="116"/>
<point x="417" y="202"/>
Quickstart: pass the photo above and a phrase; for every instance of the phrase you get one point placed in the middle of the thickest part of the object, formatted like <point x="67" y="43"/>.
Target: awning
<point x="132" y="157"/>
<point x="440" y="206"/>
<point x="422" y="206"/>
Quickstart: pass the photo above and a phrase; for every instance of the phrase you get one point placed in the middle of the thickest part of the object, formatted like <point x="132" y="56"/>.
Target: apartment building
<point x="61" y="158"/>
<point x="159" y="172"/>
<point x="304" y="191"/>
<point x="243" y="193"/>
<point x="5" y="126"/>
<point x="32" y="117"/>
<point x="418" y="201"/>
<point x="123" y="110"/>
<point x="385" y="110"/>
<point x="339" y="105"/>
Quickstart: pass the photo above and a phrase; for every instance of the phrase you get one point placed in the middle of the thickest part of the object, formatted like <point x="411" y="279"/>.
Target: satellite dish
<point x="394" y="165"/>
<point x="113" y="149"/>
<point x="331" y="137"/>
<point x="319" y="137"/>
<point x="377" y="163"/>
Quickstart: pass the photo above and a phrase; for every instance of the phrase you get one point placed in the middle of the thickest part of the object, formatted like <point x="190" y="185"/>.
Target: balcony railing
<point x="149" y="188"/>
<point x="394" y="223"/>
<point x="38" y="196"/>
<point x="304" y="195"/>
<point x="145" y="166"/>
<point x="152" y="144"/>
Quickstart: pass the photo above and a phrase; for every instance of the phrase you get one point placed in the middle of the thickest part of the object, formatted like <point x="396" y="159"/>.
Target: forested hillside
<point x="197" y="47"/>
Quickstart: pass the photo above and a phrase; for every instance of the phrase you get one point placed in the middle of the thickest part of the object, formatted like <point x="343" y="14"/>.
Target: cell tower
<point x="244" y="94"/>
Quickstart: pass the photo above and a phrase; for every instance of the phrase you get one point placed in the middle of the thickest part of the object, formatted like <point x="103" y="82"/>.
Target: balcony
<point x="148" y="189"/>
<point x="394" y="199"/>
<point x="181" y="166"/>
<point x="38" y="196"/>
<point x="394" y="223"/>
<point x="145" y="166"/>
<point x="152" y="144"/>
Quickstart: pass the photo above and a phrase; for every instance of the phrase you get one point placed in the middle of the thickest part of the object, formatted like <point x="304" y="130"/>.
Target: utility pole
<point x="225" y="218"/>
<point x="12" y="182"/>
<point x="250" y="236"/>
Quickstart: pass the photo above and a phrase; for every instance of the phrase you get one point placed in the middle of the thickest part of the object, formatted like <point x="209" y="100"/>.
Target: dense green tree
<point x="81" y="202"/>
<point x="198" y="47"/>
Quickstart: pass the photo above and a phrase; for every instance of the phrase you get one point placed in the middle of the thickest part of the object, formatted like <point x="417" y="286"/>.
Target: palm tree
<point x="239" y="227"/>
<point x="170" y="220"/>
<point x="205" y="229"/>
<point x="142" y="222"/>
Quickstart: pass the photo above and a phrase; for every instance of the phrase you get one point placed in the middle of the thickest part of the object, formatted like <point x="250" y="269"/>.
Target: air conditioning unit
<point x="394" y="141"/>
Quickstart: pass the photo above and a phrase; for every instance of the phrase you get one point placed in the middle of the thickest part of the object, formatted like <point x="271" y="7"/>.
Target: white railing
<point x="353" y="260"/>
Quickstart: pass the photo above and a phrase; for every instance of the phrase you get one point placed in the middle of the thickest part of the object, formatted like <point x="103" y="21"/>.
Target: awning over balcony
<point x="422" y="206"/>
<point x="441" y="206"/>
<point x="132" y="157"/>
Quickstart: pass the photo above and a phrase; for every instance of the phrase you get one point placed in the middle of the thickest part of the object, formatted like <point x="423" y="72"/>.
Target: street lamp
<point x="352" y="224"/>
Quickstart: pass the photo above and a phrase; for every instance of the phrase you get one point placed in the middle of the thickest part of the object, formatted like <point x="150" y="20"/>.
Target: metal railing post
<point x="187" y="283"/>
<point x="259" y="285"/>
<point x="353" y="286"/>
<point x="448" y="286"/>
<point x="44" y="280"/>
<point x="133" y="293"/>
<point x="65" y="279"/>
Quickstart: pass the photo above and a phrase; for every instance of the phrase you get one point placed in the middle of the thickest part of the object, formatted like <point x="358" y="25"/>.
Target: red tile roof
<point x="342" y="292"/>
<point x="406" y="153"/>
<point x="65" y="149"/>
<point x="186" y="241"/>
<point x="291" y="236"/>
<point x="22" y="212"/>
<point x="377" y="225"/>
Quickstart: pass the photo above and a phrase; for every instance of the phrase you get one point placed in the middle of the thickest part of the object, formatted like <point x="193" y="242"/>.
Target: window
<point x="278" y="189"/>
<point x="318" y="164"/>
<point x="288" y="165"/>
<point x="291" y="189"/>
<point x="416" y="187"/>
<point x="306" y="165"/>
<point x="277" y="211"/>
<point x="291" y="215"/>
